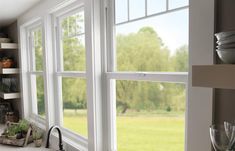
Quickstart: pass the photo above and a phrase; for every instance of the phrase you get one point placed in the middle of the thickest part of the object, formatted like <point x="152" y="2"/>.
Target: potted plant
<point x="12" y="131"/>
<point x="37" y="137"/>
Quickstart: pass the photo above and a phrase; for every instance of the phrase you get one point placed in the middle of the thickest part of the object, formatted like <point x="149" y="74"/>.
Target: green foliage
<point x="13" y="130"/>
<point x="180" y="59"/>
<point x="139" y="131"/>
<point x="145" y="51"/>
<point x="37" y="134"/>
<point x="23" y="125"/>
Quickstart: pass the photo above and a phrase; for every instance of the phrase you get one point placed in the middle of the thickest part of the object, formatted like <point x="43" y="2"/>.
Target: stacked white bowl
<point x="3" y="38"/>
<point x="226" y="46"/>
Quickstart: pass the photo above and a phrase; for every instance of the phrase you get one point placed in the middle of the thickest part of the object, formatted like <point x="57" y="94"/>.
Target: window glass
<point x="73" y="43"/>
<point x="150" y="116"/>
<point x="75" y="105"/>
<point x="37" y="49"/>
<point x="178" y="3"/>
<point x="157" y="43"/>
<point x="156" y="6"/>
<point x="73" y="25"/>
<point x="136" y="9"/>
<point x="121" y="11"/>
<point x="40" y="96"/>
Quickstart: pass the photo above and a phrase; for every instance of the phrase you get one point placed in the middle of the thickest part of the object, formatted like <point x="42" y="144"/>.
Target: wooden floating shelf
<point x="8" y="46"/>
<point x="214" y="76"/>
<point x="7" y="96"/>
<point x="9" y="70"/>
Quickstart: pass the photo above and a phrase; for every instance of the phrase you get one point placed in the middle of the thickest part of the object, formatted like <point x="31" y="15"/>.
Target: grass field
<point x="139" y="131"/>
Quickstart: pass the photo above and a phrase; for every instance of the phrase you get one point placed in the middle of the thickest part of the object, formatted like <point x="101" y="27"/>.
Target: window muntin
<point x="36" y="46"/>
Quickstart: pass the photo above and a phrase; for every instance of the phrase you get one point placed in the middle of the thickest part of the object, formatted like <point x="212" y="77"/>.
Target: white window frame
<point x="57" y="16"/>
<point x="112" y="75"/>
<point x="32" y="73"/>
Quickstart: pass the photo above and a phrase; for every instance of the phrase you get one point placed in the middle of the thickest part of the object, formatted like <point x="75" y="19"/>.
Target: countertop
<point x="28" y="148"/>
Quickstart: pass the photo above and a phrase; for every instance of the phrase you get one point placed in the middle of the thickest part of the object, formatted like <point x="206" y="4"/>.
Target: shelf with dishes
<point x="9" y="88"/>
<point x="5" y="43"/>
<point x="8" y="96"/>
<point x="9" y="70"/>
<point x="8" y="46"/>
<point x="8" y="66"/>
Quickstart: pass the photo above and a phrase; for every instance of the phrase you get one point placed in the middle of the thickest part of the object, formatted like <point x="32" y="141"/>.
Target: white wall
<point x="200" y="100"/>
<point x="41" y="9"/>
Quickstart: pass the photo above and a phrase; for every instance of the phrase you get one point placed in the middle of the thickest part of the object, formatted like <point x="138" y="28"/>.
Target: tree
<point x="180" y="59"/>
<point x="145" y="51"/>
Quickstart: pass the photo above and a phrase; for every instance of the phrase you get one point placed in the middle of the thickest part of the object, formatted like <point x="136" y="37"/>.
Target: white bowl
<point x="222" y="35"/>
<point x="227" y="55"/>
<point x="226" y="46"/>
<point x="226" y="41"/>
<point x="5" y="40"/>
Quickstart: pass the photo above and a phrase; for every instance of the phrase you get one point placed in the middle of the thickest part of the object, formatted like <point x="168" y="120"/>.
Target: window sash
<point x="58" y="17"/>
<point x="32" y="73"/>
<point x="31" y="48"/>
<point x="112" y="74"/>
<point x="60" y="73"/>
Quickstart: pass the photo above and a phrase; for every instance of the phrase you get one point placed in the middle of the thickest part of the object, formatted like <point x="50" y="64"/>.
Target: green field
<point x="139" y="131"/>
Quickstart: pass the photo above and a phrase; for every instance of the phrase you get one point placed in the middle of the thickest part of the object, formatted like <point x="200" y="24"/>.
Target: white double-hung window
<point x="36" y="69"/>
<point x="70" y="68"/>
<point x="147" y="69"/>
<point x="54" y="77"/>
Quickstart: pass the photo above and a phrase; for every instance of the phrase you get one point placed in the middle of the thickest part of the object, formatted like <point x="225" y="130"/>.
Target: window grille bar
<point x="128" y="10"/>
<point x="167" y="5"/>
<point x="146" y="8"/>
<point x="153" y="15"/>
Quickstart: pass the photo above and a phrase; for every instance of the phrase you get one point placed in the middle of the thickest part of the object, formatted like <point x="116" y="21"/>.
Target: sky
<point x="171" y="27"/>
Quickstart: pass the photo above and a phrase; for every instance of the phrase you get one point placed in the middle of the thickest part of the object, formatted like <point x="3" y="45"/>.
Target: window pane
<point x="75" y="105"/>
<point x="158" y="43"/>
<point x="156" y="6"/>
<point x="178" y="3"/>
<point x="73" y="24"/>
<point x="38" y="49"/>
<point x="150" y="116"/>
<point x="38" y="97"/>
<point x="73" y="43"/>
<point x="137" y="9"/>
<point x="74" y="53"/>
<point x="121" y="11"/>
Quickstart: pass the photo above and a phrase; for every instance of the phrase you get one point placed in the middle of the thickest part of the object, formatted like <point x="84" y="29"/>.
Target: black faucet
<point x="60" y="137"/>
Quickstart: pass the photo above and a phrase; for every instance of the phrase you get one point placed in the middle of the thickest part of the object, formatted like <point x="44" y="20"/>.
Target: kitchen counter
<point x="30" y="147"/>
